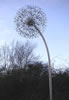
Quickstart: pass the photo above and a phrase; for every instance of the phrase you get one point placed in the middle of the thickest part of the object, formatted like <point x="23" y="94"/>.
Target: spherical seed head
<point x="26" y="18"/>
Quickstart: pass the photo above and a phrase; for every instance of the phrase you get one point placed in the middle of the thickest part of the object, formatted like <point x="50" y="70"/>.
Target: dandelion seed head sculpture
<point x="30" y="22"/>
<point x="26" y="18"/>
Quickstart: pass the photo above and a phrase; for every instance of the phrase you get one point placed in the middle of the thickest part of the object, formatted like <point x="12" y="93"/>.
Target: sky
<point x="56" y="32"/>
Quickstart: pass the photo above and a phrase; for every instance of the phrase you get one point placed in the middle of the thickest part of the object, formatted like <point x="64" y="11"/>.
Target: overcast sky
<point x="56" y="33"/>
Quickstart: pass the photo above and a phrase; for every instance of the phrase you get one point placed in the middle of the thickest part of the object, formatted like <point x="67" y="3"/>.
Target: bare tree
<point x="24" y="54"/>
<point x="17" y="55"/>
<point x="4" y="56"/>
<point x="12" y="55"/>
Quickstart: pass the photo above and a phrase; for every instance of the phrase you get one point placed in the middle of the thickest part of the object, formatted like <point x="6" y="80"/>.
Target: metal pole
<point x="49" y="62"/>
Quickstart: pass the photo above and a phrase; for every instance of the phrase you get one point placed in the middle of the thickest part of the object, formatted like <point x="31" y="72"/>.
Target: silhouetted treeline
<point x="23" y="77"/>
<point x="32" y="83"/>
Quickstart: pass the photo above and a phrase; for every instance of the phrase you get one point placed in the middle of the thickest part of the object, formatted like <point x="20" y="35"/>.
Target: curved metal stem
<point x="49" y="62"/>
